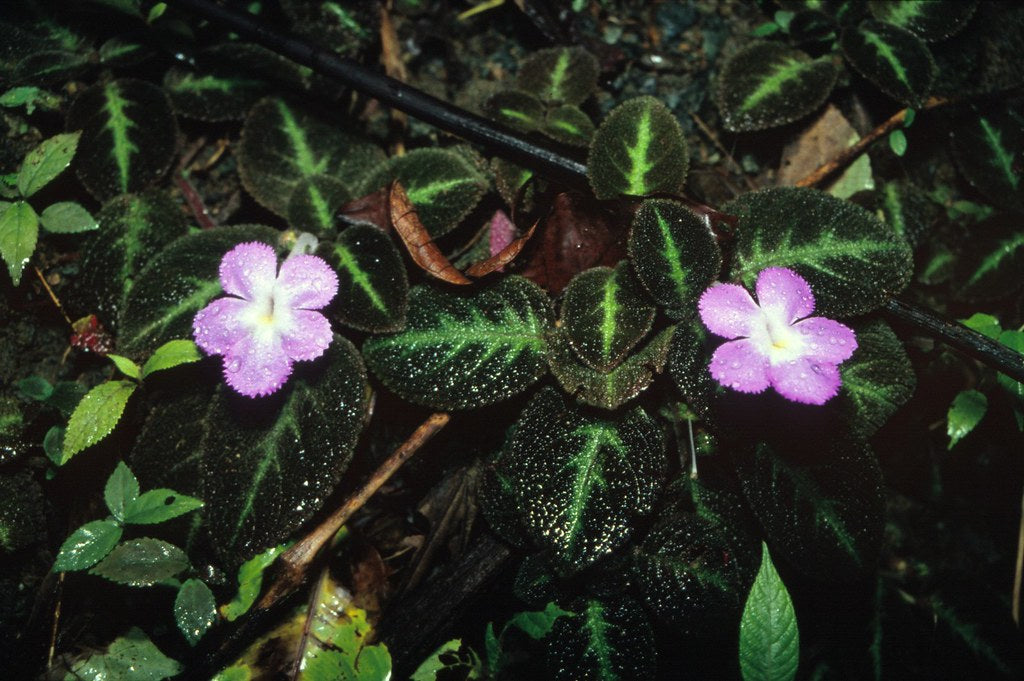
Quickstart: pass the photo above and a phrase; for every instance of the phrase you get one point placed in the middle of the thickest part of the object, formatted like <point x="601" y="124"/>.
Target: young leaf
<point x="133" y="656"/>
<point x="769" y="637"/>
<point x="607" y="640"/>
<point x="87" y="545"/>
<point x="519" y="110"/>
<point x="877" y="380"/>
<point x="142" y="562"/>
<point x="559" y="74"/>
<point x="19" y="230"/>
<point x="853" y="261"/>
<point x="171" y="354"/>
<point x="639" y="149"/>
<point x="465" y="351"/>
<point x="674" y="254"/>
<point x="892" y="58"/>
<point x="568" y="124"/>
<point x="125" y="366"/>
<point x="443" y="185"/>
<point x="769" y="84"/>
<point x="605" y="313"/>
<point x="966" y="412"/>
<point x="989" y="149"/>
<point x="250" y="581"/>
<point x="284" y="143"/>
<point x="581" y="479"/>
<point x="67" y="217"/>
<point x="129" y="136"/>
<point x="96" y="415"/>
<point x="195" y="610"/>
<point x="930" y="19"/>
<point x="121" y="490"/>
<point x="373" y="287"/>
<point x="985" y="324"/>
<point x="537" y="624"/>
<point x="1015" y="341"/>
<point x="158" y="505"/>
<point x="46" y="162"/>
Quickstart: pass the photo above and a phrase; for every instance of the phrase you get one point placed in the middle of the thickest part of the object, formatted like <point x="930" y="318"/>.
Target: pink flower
<point x="800" y="359"/>
<point x="268" y="321"/>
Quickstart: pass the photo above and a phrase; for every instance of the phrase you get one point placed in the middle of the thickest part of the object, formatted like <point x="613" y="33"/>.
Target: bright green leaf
<point x="898" y="142"/>
<point x="769" y="637"/>
<point x="250" y="581"/>
<point x="19" y="230"/>
<point x="985" y="324"/>
<point x="1015" y="341"/>
<point x="87" y="545"/>
<point x="121" y="490"/>
<point x="67" y="217"/>
<point x="195" y="610"/>
<point x="459" y="661"/>
<point x="125" y="366"/>
<point x="142" y="562"/>
<point x="158" y="505"/>
<point x="46" y="162"/>
<point x="96" y="415"/>
<point x="966" y="412"/>
<point x="30" y="97"/>
<point x="133" y="657"/>
<point x="171" y="354"/>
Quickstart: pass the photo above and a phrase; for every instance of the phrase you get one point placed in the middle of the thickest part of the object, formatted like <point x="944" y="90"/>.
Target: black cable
<point x="548" y="163"/>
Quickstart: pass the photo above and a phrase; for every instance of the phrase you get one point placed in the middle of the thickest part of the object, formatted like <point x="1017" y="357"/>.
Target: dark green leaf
<point x="171" y="354"/>
<point x="158" y="505"/>
<point x="442" y="184"/>
<point x="87" y="545"/>
<point x="853" y="261"/>
<point x="674" y="253"/>
<point x="121" y="51"/>
<point x="769" y="638"/>
<point x="120" y="491"/>
<point x="250" y="581"/>
<point x="96" y="415"/>
<point x="985" y="57"/>
<point x="612" y="388"/>
<point x="19" y="230"/>
<point x="990" y="265"/>
<point x="989" y="149"/>
<point x="46" y="162"/>
<point x="824" y="517"/>
<point x="519" y="110"/>
<point x="142" y="562"/>
<point x="50" y="66"/>
<point x="638" y="150"/>
<point x="314" y="202"/>
<point x="133" y="657"/>
<point x="688" y="363"/>
<point x="605" y="313"/>
<point x="464" y="351"/>
<point x="559" y="74"/>
<point x="22" y="510"/>
<point x="129" y="136"/>
<point x="769" y="84"/>
<point x="195" y="610"/>
<point x="607" y="640"/>
<point x="176" y="284"/>
<point x="579" y="479"/>
<point x="569" y="125"/>
<point x="966" y="412"/>
<point x="134" y="228"/>
<point x="67" y="217"/>
<point x="892" y="58"/>
<point x="877" y="380"/>
<point x="35" y="388"/>
<point x="283" y="144"/>
<point x="930" y="19"/>
<point x="66" y="396"/>
<point x="344" y="26"/>
<point x="373" y="288"/>
<point x="53" y="444"/>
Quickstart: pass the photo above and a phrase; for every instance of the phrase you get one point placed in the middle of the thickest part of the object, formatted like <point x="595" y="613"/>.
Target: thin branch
<point x="1015" y="608"/>
<point x="710" y="134"/>
<point x="850" y="154"/>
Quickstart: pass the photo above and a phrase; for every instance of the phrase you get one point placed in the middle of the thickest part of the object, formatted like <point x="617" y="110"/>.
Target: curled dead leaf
<point x="421" y="247"/>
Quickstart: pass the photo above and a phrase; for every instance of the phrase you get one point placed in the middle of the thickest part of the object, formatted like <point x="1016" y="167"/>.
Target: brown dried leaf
<point x="372" y="208"/>
<point x="502" y="257"/>
<point x="421" y="247"/>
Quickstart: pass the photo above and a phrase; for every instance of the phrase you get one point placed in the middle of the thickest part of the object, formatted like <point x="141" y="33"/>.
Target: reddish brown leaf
<point x="579" y="233"/>
<point x="421" y="247"/>
<point x="372" y="208"/>
<point x="502" y="257"/>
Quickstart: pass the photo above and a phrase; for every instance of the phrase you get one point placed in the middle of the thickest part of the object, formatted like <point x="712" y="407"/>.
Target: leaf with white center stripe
<point x="638" y="150"/>
<point x="565" y="75"/>
<point x="769" y="638"/>
<point x="989" y="149"/>
<point x="460" y="351"/>
<point x="825" y="517"/>
<point x="674" y="253"/>
<point x="283" y="143"/>
<point x="769" y="84"/>
<point x="373" y="288"/>
<point x="129" y="136"/>
<point x="894" y="59"/>
<point x="176" y="284"/>
<point x="930" y="19"/>
<point x="443" y="185"/>
<point x="853" y="261"/>
<point x="608" y="639"/>
<point x="581" y="480"/>
<point x="605" y="313"/>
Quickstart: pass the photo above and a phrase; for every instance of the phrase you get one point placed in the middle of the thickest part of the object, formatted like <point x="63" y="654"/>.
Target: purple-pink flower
<point x="777" y="343"/>
<point x="268" y="321"/>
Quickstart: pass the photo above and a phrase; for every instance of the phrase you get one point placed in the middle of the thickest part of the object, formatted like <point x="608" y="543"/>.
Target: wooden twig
<point x="1015" y="607"/>
<point x="194" y="201"/>
<point x="850" y="154"/>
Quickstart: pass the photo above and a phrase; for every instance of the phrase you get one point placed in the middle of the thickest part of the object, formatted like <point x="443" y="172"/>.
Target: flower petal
<point x="806" y="381"/>
<point x="257" y="365"/>
<point x="308" y="337"/>
<point x="218" y="326"/>
<point x="738" y="365"/>
<point x="784" y="295"/>
<point x="728" y="310"/>
<point x="305" y="282"/>
<point x="248" y="270"/>
<point x="826" y="340"/>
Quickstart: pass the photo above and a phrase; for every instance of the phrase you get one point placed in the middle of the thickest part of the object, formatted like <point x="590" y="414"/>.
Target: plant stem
<point x="1015" y="607"/>
<point x="553" y="165"/>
